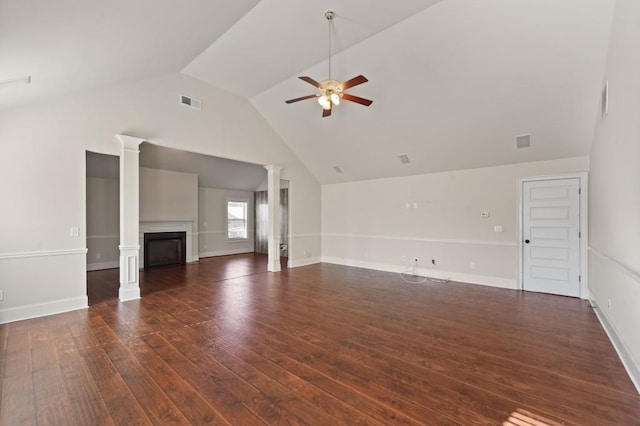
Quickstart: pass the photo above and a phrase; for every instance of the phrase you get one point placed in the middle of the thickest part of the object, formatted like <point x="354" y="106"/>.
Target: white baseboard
<point x="103" y="265"/>
<point x="303" y="262"/>
<point x="36" y="310"/>
<point x="433" y="273"/>
<point x="627" y="360"/>
<point x="224" y="252"/>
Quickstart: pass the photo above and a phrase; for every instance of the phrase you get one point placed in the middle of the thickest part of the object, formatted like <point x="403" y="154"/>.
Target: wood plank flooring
<point x="225" y="342"/>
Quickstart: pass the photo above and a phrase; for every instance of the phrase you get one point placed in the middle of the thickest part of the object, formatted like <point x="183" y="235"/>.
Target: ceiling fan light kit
<point x="331" y="91"/>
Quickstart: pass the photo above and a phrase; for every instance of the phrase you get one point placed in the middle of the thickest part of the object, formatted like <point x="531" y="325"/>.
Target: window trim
<point x="246" y="219"/>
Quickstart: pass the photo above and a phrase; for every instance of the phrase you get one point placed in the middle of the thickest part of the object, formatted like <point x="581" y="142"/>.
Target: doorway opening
<point x="103" y="224"/>
<point x="166" y="175"/>
<point x="262" y="221"/>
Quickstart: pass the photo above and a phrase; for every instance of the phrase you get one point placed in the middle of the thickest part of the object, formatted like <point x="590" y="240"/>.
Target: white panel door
<point x="551" y="234"/>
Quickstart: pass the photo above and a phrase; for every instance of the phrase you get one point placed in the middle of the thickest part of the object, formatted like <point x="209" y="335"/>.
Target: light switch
<point x="497" y="228"/>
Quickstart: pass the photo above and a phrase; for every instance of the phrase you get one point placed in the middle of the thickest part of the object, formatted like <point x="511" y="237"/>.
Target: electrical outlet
<point x="472" y="265"/>
<point x="404" y="259"/>
<point x="98" y="256"/>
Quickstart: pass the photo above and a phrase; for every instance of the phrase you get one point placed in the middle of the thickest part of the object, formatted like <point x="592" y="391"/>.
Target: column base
<point x="273" y="259"/>
<point x="129" y="273"/>
<point x="129" y="294"/>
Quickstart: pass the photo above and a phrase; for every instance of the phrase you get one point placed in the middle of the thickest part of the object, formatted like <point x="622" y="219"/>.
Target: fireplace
<point x="164" y="248"/>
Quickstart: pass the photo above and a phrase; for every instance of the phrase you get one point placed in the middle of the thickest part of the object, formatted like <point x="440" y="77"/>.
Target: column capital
<point x="273" y="169"/>
<point x="129" y="142"/>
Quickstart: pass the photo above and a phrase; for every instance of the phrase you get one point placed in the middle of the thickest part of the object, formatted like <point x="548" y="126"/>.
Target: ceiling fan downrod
<point x="329" y="15"/>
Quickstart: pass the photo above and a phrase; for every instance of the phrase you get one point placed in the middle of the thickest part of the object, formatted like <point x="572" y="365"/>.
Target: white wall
<point x="167" y="196"/>
<point x="213" y="222"/>
<point x="47" y="143"/>
<point x="103" y="223"/>
<point x="375" y="223"/>
<point x="614" y="259"/>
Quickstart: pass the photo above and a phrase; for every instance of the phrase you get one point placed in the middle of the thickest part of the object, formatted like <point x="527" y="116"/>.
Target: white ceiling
<point x="278" y="38"/>
<point x="453" y="81"/>
<point x="72" y="45"/>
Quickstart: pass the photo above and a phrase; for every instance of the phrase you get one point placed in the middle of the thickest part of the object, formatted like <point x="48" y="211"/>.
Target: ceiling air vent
<point x="337" y="169"/>
<point x="523" y="141"/>
<point x="191" y="102"/>
<point x="404" y="158"/>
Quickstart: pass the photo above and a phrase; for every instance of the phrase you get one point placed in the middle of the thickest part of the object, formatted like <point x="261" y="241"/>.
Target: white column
<point x="129" y="218"/>
<point x="273" y="191"/>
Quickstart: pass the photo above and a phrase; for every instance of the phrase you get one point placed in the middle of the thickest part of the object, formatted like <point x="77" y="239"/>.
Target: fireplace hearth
<point x="164" y="248"/>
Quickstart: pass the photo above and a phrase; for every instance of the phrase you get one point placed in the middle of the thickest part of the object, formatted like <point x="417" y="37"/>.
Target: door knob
<point x="526" y="241"/>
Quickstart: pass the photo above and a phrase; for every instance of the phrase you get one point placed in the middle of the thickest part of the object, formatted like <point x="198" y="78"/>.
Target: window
<point x="237" y="220"/>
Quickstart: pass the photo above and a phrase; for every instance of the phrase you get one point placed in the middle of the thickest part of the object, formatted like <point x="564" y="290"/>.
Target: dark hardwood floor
<point x="103" y="285"/>
<point x="218" y="343"/>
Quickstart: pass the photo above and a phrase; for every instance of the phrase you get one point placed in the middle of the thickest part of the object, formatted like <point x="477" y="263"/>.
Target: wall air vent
<point x="605" y="99"/>
<point x="19" y="80"/>
<point x="191" y="102"/>
<point x="337" y="169"/>
<point x="404" y="158"/>
<point x="523" y="141"/>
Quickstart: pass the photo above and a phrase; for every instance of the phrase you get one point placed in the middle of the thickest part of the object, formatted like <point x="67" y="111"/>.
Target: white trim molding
<point x="212" y="232"/>
<point x="224" y="252"/>
<point x="584" y="227"/>
<point x="47" y="253"/>
<point x="499" y="282"/>
<point x="103" y="237"/>
<point x="625" y="356"/>
<point x="317" y="235"/>
<point x="620" y="266"/>
<point x="304" y="261"/>
<point x="99" y="266"/>
<point x="42" y="309"/>
<point x="614" y="296"/>
<point x="423" y="240"/>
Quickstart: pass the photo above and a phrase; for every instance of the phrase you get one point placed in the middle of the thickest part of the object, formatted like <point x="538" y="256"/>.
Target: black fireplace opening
<point x="164" y="248"/>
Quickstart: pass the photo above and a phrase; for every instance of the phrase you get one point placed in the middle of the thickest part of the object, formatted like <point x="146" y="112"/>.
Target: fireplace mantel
<point x="169" y="226"/>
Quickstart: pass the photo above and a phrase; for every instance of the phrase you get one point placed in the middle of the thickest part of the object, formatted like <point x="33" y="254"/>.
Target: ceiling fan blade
<point x="327" y="112"/>
<point x="353" y="82"/>
<point x="356" y="99"/>
<point x="312" y="82"/>
<point x="290" y="101"/>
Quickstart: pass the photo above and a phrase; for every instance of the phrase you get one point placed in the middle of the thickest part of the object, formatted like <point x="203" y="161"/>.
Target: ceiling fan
<point x="332" y="91"/>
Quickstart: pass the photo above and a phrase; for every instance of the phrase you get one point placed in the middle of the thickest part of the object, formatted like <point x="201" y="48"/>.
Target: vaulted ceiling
<point x="453" y="81"/>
